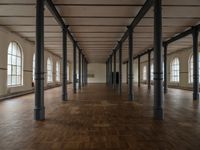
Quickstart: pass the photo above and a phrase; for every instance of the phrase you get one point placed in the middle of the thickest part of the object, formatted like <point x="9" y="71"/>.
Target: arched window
<point x="58" y="71"/>
<point x="190" y="67"/>
<point x="49" y="70"/>
<point x="33" y="71"/>
<point x="144" y="73"/>
<point x="175" y="69"/>
<point x="152" y="72"/>
<point x="14" y="66"/>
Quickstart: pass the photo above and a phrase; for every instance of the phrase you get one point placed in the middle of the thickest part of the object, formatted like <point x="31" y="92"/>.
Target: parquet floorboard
<point x="97" y="118"/>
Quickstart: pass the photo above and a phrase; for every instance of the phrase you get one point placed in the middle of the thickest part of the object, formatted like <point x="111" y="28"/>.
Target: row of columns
<point x="39" y="110"/>
<point x="195" y="33"/>
<point x="111" y="78"/>
<point x="82" y="69"/>
<point x="158" y="71"/>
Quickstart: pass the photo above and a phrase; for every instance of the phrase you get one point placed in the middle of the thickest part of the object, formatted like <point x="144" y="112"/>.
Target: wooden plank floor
<point x="97" y="118"/>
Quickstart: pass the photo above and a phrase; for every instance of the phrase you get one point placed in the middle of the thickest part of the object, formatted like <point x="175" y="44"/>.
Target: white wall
<point x="183" y="56"/>
<point x="99" y="72"/>
<point x="28" y="49"/>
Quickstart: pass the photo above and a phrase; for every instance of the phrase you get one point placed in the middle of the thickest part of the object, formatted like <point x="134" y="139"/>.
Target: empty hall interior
<point x="99" y="74"/>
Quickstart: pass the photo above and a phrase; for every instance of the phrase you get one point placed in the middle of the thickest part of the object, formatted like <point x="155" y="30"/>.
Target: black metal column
<point x="195" y="64"/>
<point x="138" y="71"/>
<point x="107" y="70"/>
<point x="64" y="84"/>
<point x="39" y="111"/>
<point x="86" y="72"/>
<point x="120" y="67"/>
<point x="79" y="70"/>
<point x="114" y="70"/>
<point x="83" y="68"/>
<point x="109" y="77"/>
<point x="158" y="59"/>
<point x="127" y="73"/>
<point x="74" y="67"/>
<point x="130" y="66"/>
<point x="149" y="69"/>
<point x="165" y="68"/>
<point x="111" y="74"/>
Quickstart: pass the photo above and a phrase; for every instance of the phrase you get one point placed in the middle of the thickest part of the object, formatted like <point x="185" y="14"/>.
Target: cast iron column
<point x="79" y="70"/>
<point x="114" y="70"/>
<point x="130" y="61"/>
<point x="64" y="84"/>
<point x="86" y="72"/>
<point x="149" y="69"/>
<point x="165" y="68"/>
<point x="74" y="67"/>
<point x="111" y="77"/>
<point x="120" y="67"/>
<point x="139" y="71"/>
<point x="158" y="59"/>
<point x="39" y="111"/>
<point x="107" y="72"/>
<point x="195" y="64"/>
<point x="127" y="73"/>
<point x="83" y="84"/>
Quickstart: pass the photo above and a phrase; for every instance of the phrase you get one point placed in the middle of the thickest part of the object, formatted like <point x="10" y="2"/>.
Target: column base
<point x="158" y="114"/>
<point x="195" y="96"/>
<point x="64" y="97"/>
<point x="39" y="114"/>
<point x="165" y="91"/>
<point x="130" y="97"/>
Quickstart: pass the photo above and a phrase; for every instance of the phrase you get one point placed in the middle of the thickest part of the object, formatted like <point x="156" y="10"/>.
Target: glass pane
<point x="14" y="60"/>
<point x="18" y="61"/>
<point x="14" y="80"/>
<point x="9" y="80"/>
<point x="18" y="52"/>
<point x="14" y="70"/>
<point x="9" y="70"/>
<point x="9" y="59"/>
<point x="18" y="70"/>
<point x="18" y="80"/>
<point x="14" y="51"/>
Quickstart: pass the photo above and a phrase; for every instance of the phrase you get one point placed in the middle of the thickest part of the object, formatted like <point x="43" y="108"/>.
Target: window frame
<point x="49" y="70"/>
<point x="58" y="75"/>
<point x="144" y="73"/>
<point x="175" y="72"/>
<point x="18" y="56"/>
<point x="190" y="68"/>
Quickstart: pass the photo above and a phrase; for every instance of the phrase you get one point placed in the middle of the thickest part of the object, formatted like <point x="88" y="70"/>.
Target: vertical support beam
<point x="79" y="70"/>
<point x="158" y="59"/>
<point x="114" y="70"/>
<point x="195" y="64"/>
<point x="83" y="68"/>
<point x="120" y="67"/>
<point x="165" y="68"/>
<point x="86" y="72"/>
<point x="130" y="66"/>
<point x="64" y="84"/>
<point x="109" y="67"/>
<point x="139" y="71"/>
<point x="111" y="76"/>
<point x="39" y="111"/>
<point x="74" y="67"/>
<point x="149" y="69"/>
<point x="106" y="72"/>
<point x="127" y="73"/>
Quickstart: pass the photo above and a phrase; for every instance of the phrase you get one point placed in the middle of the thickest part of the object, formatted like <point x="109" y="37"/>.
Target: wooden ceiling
<point x="98" y="25"/>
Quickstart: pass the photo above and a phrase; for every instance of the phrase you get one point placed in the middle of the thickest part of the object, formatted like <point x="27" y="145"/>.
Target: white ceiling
<point x="98" y="25"/>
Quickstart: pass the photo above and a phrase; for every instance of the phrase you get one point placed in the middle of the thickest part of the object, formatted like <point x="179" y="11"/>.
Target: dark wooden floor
<point x="97" y="118"/>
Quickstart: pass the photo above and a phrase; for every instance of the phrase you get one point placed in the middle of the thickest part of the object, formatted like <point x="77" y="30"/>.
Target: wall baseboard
<point x="22" y="93"/>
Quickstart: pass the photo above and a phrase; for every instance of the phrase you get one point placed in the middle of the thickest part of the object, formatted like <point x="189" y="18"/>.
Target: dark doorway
<point x="117" y="77"/>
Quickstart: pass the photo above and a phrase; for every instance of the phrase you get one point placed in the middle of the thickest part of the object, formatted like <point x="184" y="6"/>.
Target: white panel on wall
<point x="96" y="73"/>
